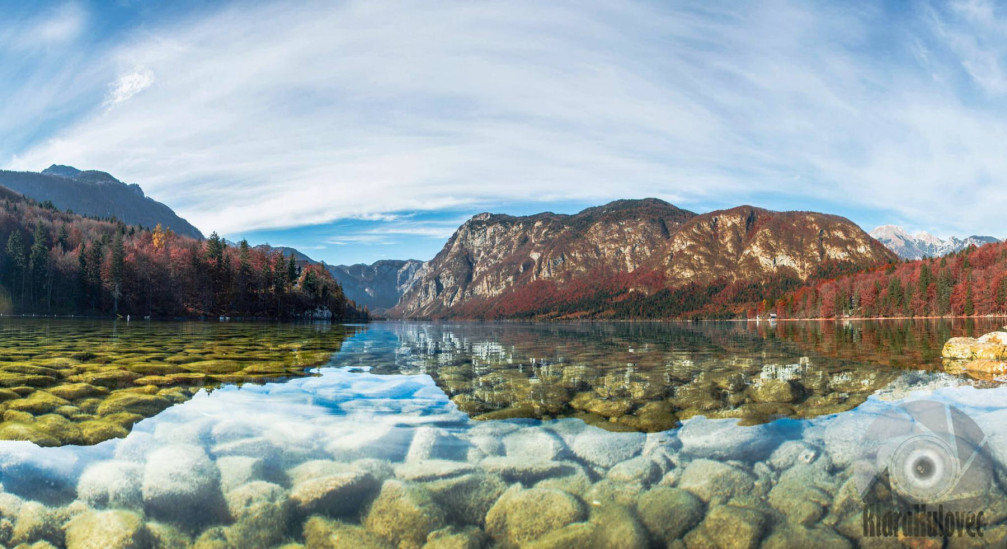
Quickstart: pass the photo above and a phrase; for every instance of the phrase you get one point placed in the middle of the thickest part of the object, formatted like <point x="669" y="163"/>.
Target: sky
<point x="365" y="130"/>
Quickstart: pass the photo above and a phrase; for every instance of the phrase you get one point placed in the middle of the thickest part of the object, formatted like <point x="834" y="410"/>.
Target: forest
<point x="59" y="263"/>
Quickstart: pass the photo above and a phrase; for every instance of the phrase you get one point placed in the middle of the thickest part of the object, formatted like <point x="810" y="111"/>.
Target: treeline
<point x="54" y="262"/>
<point x="645" y="295"/>
<point x="967" y="283"/>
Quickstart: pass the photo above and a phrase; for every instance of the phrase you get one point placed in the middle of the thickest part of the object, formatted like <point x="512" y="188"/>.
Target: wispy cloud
<point x="129" y="84"/>
<point x="281" y="115"/>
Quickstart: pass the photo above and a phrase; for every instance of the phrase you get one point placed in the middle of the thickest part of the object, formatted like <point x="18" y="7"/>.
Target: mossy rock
<point x="18" y="416"/>
<point x="60" y="428"/>
<point x="213" y="366"/>
<point x="157" y="381"/>
<point x="29" y="369"/>
<point x="152" y="368"/>
<point x="135" y="403"/>
<point x="95" y="431"/>
<point x="13" y="379"/>
<point x="39" y="402"/>
<point x="275" y="368"/>
<point x="24" y="431"/>
<point x="124" y="419"/>
<point x="74" y="391"/>
<point x="23" y="390"/>
<point x="111" y="378"/>
<point x="7" y="394"/>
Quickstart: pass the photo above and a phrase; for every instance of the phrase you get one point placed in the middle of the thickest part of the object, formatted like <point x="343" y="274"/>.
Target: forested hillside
<point x="970" y="282"/>
<point x="53" y="262"/>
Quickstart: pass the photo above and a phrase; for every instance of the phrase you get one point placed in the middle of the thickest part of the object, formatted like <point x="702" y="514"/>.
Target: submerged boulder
<point x="404" y="514"/>
<point x="986" y="355"/>
<point x="107" y="530"/>
<point x="521" y="516"/>
<point x="182" y="485"/>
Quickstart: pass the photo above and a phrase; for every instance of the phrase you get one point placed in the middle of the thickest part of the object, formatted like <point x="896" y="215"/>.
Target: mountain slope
<point x="922" y="244"/>
<point x="499" y="265"/>
<point x="377" y="286"/>
<point x="97" y="194"/>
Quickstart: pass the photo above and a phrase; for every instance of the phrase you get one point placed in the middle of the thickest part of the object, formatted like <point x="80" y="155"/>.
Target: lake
<point x="439" y="435"/>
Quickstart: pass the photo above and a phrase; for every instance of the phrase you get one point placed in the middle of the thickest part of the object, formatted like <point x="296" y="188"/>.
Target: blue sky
<point x="358" y="131"/>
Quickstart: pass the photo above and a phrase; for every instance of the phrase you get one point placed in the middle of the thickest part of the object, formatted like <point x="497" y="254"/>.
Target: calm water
<point x="496" y="435"/>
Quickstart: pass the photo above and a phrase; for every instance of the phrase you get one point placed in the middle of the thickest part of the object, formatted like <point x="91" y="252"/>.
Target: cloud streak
<point x="278" y="115"/>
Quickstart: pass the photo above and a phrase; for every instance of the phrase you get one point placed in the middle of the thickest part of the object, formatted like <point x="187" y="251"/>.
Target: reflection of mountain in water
<point x="648" y="376"/>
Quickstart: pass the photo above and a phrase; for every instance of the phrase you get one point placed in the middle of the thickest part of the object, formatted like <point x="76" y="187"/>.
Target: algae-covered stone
<point x="521" y="516"/>
<point x="181" y="484"/>
<point x="640" y="469"/>
<point x="95" y="431"/>
<point x="238" y="470"/>
<point x="111" y="484"/>
<point x="431" y="443"/>
<point x="75" y="391"/>
<point x="333" y="495"/>
<point x="134" y="403"/>
<point x="166" y="536"/>
<point x="668" y="513"/>
<point x="456" y="538"/>
<point x="789" y="535"/>
<point x="261" y="514"/>
<point x="735" y="527"/>
<point x="39" y="402"/>
<point x="114" y="529"/>
<point x="618" y="526"/>
<point x="468" y="498"/>
<point x="321" y="533"/>
<point x="36" y="522"/>
<point x="404" y="514"/>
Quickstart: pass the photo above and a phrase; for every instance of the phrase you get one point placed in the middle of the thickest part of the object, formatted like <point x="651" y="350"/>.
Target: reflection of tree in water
<point x="647" y="376"/>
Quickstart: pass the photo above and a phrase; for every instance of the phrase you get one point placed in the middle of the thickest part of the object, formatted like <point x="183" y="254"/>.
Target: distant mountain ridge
<point x="377" y="286"/>
<point x="96" y="194"/>
<point x="504" y="266"/>
<point x="923" y="244"/>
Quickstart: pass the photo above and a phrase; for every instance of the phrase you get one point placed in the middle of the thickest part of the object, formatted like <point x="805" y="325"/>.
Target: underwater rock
<point x="785" y="536"/>
<point x="432" y="469"/>
<point x="433" y="443"/>
<point x="111" y="484"/>
<point x="618" y="526"/>
<point x="468" y="498"/>
<point x="715" y="482"/>
<point x="668" y="513"/>
<point x="793" y="452"/>
<point x="726" y="440"/>
<point x="166" y="536"/>
<point x="404" y="514"/>
<point x="116" y="529"/>
<point x="261" y="512"/>
<point x="182" y="485"/>
<point x="523" y="471"/>
<point x="36" y="522"/>
<point x="605" y="449"/>
<point x="640" y="469"/>
<point x="537" y="444"/>
<point x="387" y="442"/>
<point x="523" y="515"/>
<point x="238" y="470"/>
<point x="456" y="538"/>
<point x="333" y="495"/>
<point x="734" y="527"/>
<point x="321" y="533"/>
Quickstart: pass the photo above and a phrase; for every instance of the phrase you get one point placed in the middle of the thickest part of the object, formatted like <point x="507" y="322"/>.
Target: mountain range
<point x="96" y="194"/>
<point x="499" y="265"/>
<point x="923" y="244"/>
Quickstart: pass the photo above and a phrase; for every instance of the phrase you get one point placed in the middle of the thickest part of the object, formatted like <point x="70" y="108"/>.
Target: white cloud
<point x="129" y="84"/>
<point x="281" y="115"/>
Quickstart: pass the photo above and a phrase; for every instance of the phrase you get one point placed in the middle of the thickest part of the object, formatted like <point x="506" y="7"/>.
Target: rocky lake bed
<point x="352" y="456"/>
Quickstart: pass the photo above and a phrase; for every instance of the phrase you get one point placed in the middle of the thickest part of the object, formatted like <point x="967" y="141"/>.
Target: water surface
<point x="486" y="435"/>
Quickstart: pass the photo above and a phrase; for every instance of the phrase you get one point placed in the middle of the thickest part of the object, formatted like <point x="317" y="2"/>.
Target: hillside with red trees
<point x="54" y="262"/>
<point x="967" y="283"/>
